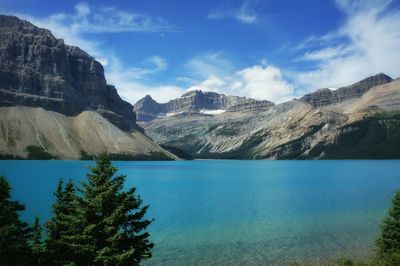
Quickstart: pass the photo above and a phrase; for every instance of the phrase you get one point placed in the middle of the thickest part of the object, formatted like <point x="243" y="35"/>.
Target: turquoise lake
<point x="239" y="212"/>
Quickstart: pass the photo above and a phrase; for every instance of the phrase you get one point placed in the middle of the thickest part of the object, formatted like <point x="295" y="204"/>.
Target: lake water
<point x="239" y="212"/>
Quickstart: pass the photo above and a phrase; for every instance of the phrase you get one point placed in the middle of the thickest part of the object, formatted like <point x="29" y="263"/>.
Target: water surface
<point x="239" y="212"/>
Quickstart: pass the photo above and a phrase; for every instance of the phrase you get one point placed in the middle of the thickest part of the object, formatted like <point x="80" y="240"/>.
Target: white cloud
<point x="212" y="83"/>
<point x="367" y="43"/>
<point x="102" y="60"/>
<point x="149" y="67"/>
<point x="157" y="63"/>
<point x="130" y="81"/>
<point x="217" y="73"/>
<point x="245" y="13"/>
<point x="132" y="91"/>
<point x="84" y="19"/>
<point x="209" y="64"/>
<point x="264" y="83"/>
<point x="112" y="19"/>
<point x="325" y="53"/>
<point x="352" y="6"/>
<point x="82" y="9"/>
<point x="258" y="82"/>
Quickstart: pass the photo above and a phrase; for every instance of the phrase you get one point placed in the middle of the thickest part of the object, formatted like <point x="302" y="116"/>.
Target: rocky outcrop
<point x="147" y="109"/>
<point x="38" y="70"/>
<point x="196" y="101"/>
<point x="251" y="105"/>
<point x="324" y="97"/>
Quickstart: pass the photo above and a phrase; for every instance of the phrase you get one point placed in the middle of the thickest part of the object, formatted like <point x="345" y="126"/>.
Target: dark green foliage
<point x="151" y="156"/>
<point x="38" y="153"/>
<point x="10" y="157"/>
<point x="36" y="245"/>
<point x="109" y="221"/>
<point x="85" y="156"/>
<point x="14" y="233"/>
<point x="36" y="242"/>
<point x="316" y="150"/>
<point x="188" y="144"/>
<point x="59" y="228"/>
<point x="178" y="152"/>
<point x="376" y="137"/>
<point x="389" y="241"/>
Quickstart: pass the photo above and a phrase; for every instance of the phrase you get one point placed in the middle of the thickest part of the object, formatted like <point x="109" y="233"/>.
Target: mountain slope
<point x="55" y="97"/>
<point x="67" y="137"/>
<point x="295" y="129"/>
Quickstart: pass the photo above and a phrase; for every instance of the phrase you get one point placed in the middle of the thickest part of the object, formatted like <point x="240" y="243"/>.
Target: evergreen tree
<point x="14" y="233"/>
<point x="37" y="243"/>
<point x="60" y="227"/>
<point x="111" y="221"/>
<point x="389" y="241"/>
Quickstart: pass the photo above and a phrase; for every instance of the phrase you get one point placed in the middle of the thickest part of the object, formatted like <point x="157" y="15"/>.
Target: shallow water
<point x="239" y="212"/>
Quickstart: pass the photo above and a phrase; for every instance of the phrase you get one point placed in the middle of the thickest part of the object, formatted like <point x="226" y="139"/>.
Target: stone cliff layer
<point x="38" y="70"/>
<point x="324" y="97"/>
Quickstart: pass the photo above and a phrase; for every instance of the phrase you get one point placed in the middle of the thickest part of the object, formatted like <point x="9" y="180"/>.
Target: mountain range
<point x="353" y="122"/>
<point x="55" y="101"/>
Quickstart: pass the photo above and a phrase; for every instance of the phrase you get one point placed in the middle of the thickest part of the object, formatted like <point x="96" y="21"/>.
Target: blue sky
<point x="271" y="49"/>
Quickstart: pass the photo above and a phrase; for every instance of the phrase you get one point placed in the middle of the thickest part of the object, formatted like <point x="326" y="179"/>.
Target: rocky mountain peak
<point x="147" y="99"/>
<point x="323" y="97"/>
<point x="194" y="102"/>
<point x="38" y="70"/>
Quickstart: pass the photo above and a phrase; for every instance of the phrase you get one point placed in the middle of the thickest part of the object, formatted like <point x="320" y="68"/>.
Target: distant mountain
<point x="38" y="71"/>
<point x="363" y="124"/>
<point x="323" y="97"/>
<point x="194" y="102"/>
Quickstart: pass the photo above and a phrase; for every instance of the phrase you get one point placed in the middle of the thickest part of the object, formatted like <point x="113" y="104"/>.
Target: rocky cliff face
<point x="324" y="97"/>
<point x="38" y="70"/>
<point x="54" y="100"/>
<point x="194" y="102"/>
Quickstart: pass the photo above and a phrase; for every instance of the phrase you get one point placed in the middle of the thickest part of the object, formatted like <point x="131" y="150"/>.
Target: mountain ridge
<point x="193" y="102"/>
<point x="325" y="96"/>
